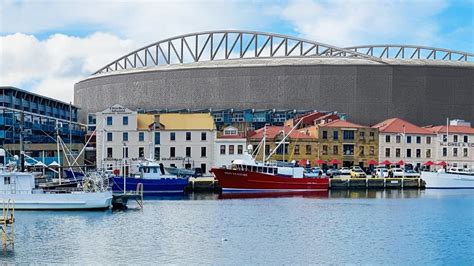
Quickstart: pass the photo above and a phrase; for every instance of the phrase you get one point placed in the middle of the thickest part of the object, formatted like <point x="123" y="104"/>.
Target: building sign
<point x="173" y="159"/>
<point x="117" y="110"/>
<point x="457" y="144"/>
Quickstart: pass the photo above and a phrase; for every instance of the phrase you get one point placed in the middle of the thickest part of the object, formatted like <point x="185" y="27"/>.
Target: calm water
<point x="411" y="227"/>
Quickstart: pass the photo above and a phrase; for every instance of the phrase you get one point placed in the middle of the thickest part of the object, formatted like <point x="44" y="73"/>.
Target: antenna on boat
<point x="264" y="141"/>
<point x="57" y="147"/>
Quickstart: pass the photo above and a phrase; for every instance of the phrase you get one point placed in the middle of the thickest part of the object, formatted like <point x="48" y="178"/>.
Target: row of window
<point x="408" y="139"/>
<point x="347" y="149"/>
<point x="188" y="136"/>
<point x="465" y="152"/>
<point x="110" y="120"/>
<point x="188" y="152"/>
<point x="398" y="153"/>
<point x="231" y="149"/>
<point x="110" y="152"/>
<point x="456" y="138"/>
<point x="348" y="135"/>
<point x="141" y="136"/>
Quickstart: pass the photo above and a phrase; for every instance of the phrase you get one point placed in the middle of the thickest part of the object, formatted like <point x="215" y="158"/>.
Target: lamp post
<point x="123" y="169"/>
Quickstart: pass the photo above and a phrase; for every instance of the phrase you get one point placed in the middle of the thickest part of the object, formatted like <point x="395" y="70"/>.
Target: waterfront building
<point x="400" y="140"/>
<point x="185" y="140"/>
<point x="298" y="146"/>
<point x="347" y="142"/>
<point x="38" y="118"/>
<point x="229" y="145"/>
<point x="314" y="118"/>
<point x="454" y="143"/>
<point x="123" y="137"/>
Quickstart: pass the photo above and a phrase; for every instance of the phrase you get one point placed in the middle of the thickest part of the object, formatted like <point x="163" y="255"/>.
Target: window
<point x="397" y="153"/>
<point x="188" y="151"/>
<point x="172" y="152"/>
<point x="387" y="152"/>
<point x="348" y="134"/>
<point x="372" y="150"/>
<point x="361" y="151"/>
<point x="125" y="136"/>
<point x="6" y="180"/>
<point x="203" y="168"/>
<point x="297" y="149"/>
<point x="398" y="139"/>
<point x="348" y="149"/>
<point x="325" y="149"/>
<point x="203" y="136"/>
<point x="455" y="152"/>
<point x="466" y="139"/>
<point x="141" y="152"/>
<point x="418" y="153"/>
<point x="408" y="139"/>
<point x="125" y="152"/>
<point x="109" y="152"/>
<point x="240" y="149"/>
<point x="125" y="120"/>
<point x="203" y="152"/>
<point x="445" y="152"/>
<point x="455" y="138"/>
<point x="428" y="153"/>
<point x="335" y="135"/>
<point x="308" y="149"/>
<point x="418" y="139"/>
<point x="157" y="153"/>
<point x="141" y="136"/>
<point x="188" y="136"/>
<point x="408" y="153"/>
<point x="428" y="140"/>
<point x="157" y="138"/>
<point x="109" y="136"/>
<point x="325" y="135"/>
<point x="372" y="135"/>
<point x="222" y="149"/>
<point x="172" y="136"/>
<point x="387" y="139"/>
<point x="335" y="150"/>
<point x="231" y="149"/>
<point x="465" y="152"/>
<point x="109" y="120"/>
<point x="445" y="138"/>
<point x="362" y="135"/>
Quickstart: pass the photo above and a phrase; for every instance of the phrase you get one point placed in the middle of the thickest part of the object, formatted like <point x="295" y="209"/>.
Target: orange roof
<point x="274" y="131"/>
<point x="452" y="129"/>
<point x="397" y="125"/>
<point x="237" y="136"/>
<point x="341" y="123"/>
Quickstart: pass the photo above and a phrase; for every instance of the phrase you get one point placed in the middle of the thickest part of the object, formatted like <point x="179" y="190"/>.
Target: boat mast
<point x="57" y="147"/>
<point x="283" y="140"/>
<point x="264" y="139"/>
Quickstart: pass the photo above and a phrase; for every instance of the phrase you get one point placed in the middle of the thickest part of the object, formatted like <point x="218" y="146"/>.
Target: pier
<point x="203" y="184"/>
<point x="120" y="200"/>
<point x="375" y="183"/>
<point x="7" y="224"/>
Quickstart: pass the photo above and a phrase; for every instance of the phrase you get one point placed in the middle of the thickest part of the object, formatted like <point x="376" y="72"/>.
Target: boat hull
<point x="151" y="186"/>
<point x="237" y="180"/>
<point x="60" y="201"/>
<point x="446" y="180"/>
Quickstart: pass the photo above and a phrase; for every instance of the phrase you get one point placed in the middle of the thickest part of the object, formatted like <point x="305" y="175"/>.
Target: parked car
<point x="396" y="173"/>
<point x="345" y="171"/>
<point x="381" y="172"/>
<point x="317" y="170"/>
<point x="412" y="174"/>
<point x="356" y="172"/>
<point x="331" y="172"/>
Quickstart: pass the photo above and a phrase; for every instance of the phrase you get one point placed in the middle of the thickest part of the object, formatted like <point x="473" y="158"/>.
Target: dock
<point x="376" y="183"/>
<point x="120" y="200"/>
<point x="203" y="184"/>
<point x="7" y="224"/>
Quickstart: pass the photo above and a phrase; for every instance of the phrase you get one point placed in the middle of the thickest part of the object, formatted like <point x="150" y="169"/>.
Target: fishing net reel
<point x="95" y="182"/>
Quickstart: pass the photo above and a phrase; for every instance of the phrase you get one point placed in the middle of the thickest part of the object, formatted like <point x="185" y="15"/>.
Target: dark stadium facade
<point x="253" y="70"/>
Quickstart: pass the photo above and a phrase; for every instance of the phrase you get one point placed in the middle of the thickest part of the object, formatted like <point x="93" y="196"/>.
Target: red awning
<point x="401" y="162"/>
<point x="320" y="161"/>
<point x="429" y="163"/>
<point x="303" y="162"/>
<point x="442" y="163"/>
<point x="386" y="162"/>
<point x="335" y="161"/>
<point x="373" y="162"/>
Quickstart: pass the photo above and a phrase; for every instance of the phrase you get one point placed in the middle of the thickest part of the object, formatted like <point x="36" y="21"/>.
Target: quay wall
<point x="421" y="93"/>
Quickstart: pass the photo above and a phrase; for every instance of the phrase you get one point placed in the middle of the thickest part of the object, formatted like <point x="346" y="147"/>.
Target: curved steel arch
<point x="226" y="44"/>
<point x="398" y="51"/>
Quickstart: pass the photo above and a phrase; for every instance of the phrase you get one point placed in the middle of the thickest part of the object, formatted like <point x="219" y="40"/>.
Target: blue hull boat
<point x="151" y="186"/>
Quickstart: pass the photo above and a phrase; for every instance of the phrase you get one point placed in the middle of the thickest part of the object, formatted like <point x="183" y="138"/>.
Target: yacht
<point x="452" y="177"/>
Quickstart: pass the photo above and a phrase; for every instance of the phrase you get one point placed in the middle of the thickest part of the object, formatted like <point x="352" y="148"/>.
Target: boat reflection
<point x="286" y="194"/>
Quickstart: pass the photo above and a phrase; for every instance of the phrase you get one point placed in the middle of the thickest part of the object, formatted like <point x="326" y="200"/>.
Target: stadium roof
<point x="226" y="45"/>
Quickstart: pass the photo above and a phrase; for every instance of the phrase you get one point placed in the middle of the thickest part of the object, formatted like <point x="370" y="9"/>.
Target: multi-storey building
<point x="38" y="119"/>
<point x="229" y="145"/>
<point x="454" y="144"/>
<point x="349" y="143"/>
<point x="185" y="140"/>
<point x="400" y="140"/>
<point x="123" y="137"/>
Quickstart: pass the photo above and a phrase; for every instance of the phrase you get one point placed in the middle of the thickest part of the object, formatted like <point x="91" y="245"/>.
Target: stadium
<point x="255" y="70"/>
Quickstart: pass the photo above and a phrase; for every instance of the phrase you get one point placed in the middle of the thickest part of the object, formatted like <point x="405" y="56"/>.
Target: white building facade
<point x="228" y="147"/>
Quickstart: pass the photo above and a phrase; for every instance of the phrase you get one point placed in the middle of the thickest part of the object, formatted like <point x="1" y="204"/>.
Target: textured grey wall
<point x="367" y="93"/>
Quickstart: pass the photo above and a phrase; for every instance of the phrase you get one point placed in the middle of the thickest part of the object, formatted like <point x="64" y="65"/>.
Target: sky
<point x="48" y="46"/>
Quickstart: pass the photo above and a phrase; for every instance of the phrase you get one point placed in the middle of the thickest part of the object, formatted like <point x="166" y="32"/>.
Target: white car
<point x="381" y="172"/>
<point x="396" y="172"/>
<point x="345" y="171"/>
<point x="411" y="174"/>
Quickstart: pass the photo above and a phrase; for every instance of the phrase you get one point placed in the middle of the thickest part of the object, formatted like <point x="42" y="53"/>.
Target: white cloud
<point x="350" y="22"/>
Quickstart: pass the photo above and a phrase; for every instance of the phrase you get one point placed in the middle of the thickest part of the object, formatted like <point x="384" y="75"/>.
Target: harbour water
<point x="358" y="227"/>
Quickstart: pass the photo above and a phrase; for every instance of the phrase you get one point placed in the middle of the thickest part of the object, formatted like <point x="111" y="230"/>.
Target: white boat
<point x="449" y="179"/>
<point x="20" y="187"/>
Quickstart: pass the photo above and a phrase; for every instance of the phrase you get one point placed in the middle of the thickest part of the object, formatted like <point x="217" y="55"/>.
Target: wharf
<point x="120" y="200"/>
<point x="375" y="183"/>
<point x="203" y="184"/>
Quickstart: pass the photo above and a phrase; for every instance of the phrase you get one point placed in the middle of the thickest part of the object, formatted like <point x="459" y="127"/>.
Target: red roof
<point x="341" y="123"/>
<point x="397" y="125"/>
<point x="231" y="137"/>
<point x="309" y="118"/>
<point x="452" y="129"/>
<point x="273" y="131"/>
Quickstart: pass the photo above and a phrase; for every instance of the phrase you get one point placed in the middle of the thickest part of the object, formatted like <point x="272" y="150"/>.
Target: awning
<point x="442" y="163"/>
<point x="303" y="162"/>
<point x="401" y="162"/>
<point x="386" y="162"/>
<point x="335" y="161"/>
<point x="373" y="162"/>
<point x="429" y="163"/>
<point x="320" y="161"/>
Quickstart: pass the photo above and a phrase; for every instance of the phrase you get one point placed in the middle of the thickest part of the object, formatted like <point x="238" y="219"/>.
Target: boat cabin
<point x="16" y="183"/>
<point x="295" y="172"/>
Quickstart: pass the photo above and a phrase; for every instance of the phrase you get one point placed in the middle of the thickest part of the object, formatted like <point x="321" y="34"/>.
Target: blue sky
<point x="47" y="46"/>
